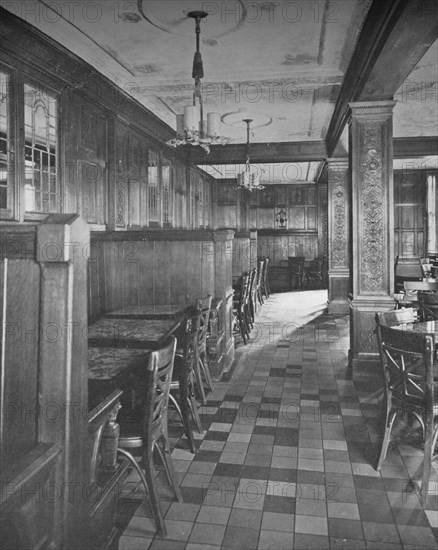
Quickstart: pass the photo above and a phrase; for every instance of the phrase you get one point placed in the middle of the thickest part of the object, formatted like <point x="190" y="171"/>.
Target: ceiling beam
<point x="394" y="37"/>
<point x="260" y="153"/>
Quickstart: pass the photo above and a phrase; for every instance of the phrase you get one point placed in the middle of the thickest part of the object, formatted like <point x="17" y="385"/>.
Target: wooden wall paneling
<point x="266" y="217"/>
<point x="322" y="191"/>
<point x="132" y="251"/>
<point x="207" y="268"/>
<point x="241" y="254"/>
<point x="119" y="194"/>
<point x="113" y="251"/>
<point x="178" y="259"/>
<point x="112" y="165"/>
<point x="147" y="273"/>
<point x="193" y="271"/>
<point x="253" y="217"/>
<point x="162" y="264"/>
<point x="95" y="290"/>
<point x="297" y="217"/>
<point x="92" y="165"/>
<point x="20" y="278"/>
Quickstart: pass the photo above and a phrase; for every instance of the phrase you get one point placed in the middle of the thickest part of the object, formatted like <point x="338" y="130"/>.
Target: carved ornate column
<point x="339" y="235"/>
<point x="371" y="161"/>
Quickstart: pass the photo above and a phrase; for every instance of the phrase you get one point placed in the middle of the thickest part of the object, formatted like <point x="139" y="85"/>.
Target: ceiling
<point x="280" y="63"/>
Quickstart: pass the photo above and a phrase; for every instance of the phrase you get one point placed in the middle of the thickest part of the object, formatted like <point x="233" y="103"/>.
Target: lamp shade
<point x="191" y="117"/>
<point x="180" y="125"/>
<point x="213" y="123"/>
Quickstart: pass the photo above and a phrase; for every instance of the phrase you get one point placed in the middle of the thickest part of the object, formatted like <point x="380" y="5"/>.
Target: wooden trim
<point x="301" y="151"/>
<point x="158" y="234"/>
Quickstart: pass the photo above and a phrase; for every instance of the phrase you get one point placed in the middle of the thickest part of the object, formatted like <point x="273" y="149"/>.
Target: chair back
<point x="426" y="267"/>
<point x="412" y="287"/>
<point x="407" y="359"/>
<point x="296" y="263"/>
<point x="159" y="377"/>
<point x="204" y="304"/>
<point x="252" y="282"/>
<point x="296" y="270"/>
<point x="244" y="289"/>
<point x="190" y="333"/>
<point x="396" y="317"/>
<point x="428" y="305"/>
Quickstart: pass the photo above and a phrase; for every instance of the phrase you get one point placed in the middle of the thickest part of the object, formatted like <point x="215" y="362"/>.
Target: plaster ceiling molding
<point x="224" y="17"/>
<point x="417" y="99"/>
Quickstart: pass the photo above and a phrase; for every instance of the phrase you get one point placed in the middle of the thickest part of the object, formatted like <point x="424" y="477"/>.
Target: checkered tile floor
<point x="287" y="457"/>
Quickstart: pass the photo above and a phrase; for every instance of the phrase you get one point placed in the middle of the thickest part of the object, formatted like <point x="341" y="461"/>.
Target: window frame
<point x="18" y="78"/>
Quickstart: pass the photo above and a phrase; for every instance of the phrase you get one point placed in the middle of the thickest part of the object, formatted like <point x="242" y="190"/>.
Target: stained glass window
<point x="4" y="139"/>
<point x="41" y="191"/>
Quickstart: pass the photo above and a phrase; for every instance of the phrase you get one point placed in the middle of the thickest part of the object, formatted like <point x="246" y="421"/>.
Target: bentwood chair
<point x="202" y="370"/>
<point x="396" y="317"/>
<point x="412" y="287"/>
<point x="259" y="295"/>
<point x="296" y="271"/>
<point x="391" y="318"/>
<point x="252" y="293"/>
<point x="315" y="273"/>
<point x="264" y="281"/>
<point x="241" y="308"/>
<point x="182" y="390"/>
<point x="145" y="427"/>
<point x="428" y="305"/>
<point x="407" y="361"/>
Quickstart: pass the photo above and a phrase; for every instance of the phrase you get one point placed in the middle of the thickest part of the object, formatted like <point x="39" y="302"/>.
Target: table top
<point x="130" y="333"/>
<point x="109" y="363"/>
<point x="428" y="327"/>
<point x="407" y="300"/>
<point x="149" y="311"/>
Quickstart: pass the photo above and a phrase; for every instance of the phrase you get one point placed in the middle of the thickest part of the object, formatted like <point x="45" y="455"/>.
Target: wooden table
<point x="428" y="327"/>
<point x="130" y="333"/>
<point x="148" y="311"/>
<point x="408" y="300"/>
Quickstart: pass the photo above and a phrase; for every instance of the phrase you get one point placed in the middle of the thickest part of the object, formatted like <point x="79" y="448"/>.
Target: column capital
<point x="341" y="163"/>
<point x="378" y="107"/>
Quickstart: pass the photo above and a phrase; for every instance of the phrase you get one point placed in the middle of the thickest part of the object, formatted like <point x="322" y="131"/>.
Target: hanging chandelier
<point x="191" y="127"/>
<point x="249" y="179"/>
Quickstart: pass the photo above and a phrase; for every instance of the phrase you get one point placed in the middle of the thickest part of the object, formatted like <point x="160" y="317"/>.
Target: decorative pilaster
<point x="371" y="160"/>
<point x="339" y="235"/>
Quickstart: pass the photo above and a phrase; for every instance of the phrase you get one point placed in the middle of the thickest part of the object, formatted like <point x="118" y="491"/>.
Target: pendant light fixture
<point x="249" y="179"/>
<point x="191" y="127"/>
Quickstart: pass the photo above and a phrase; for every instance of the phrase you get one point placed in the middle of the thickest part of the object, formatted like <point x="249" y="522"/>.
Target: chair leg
<point x="194" y="410"/>
<point x="183" y="414"/>
<point x="429" y="449"/>
<point x="166" y="459"/>
<point x="199" y="383"/>
<point x="136" y="467"/>
<point x="205" y="370"/>
<point x="242" y="328"/>
<point x="148" y="465"/>
<point x="389" y="421"/>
